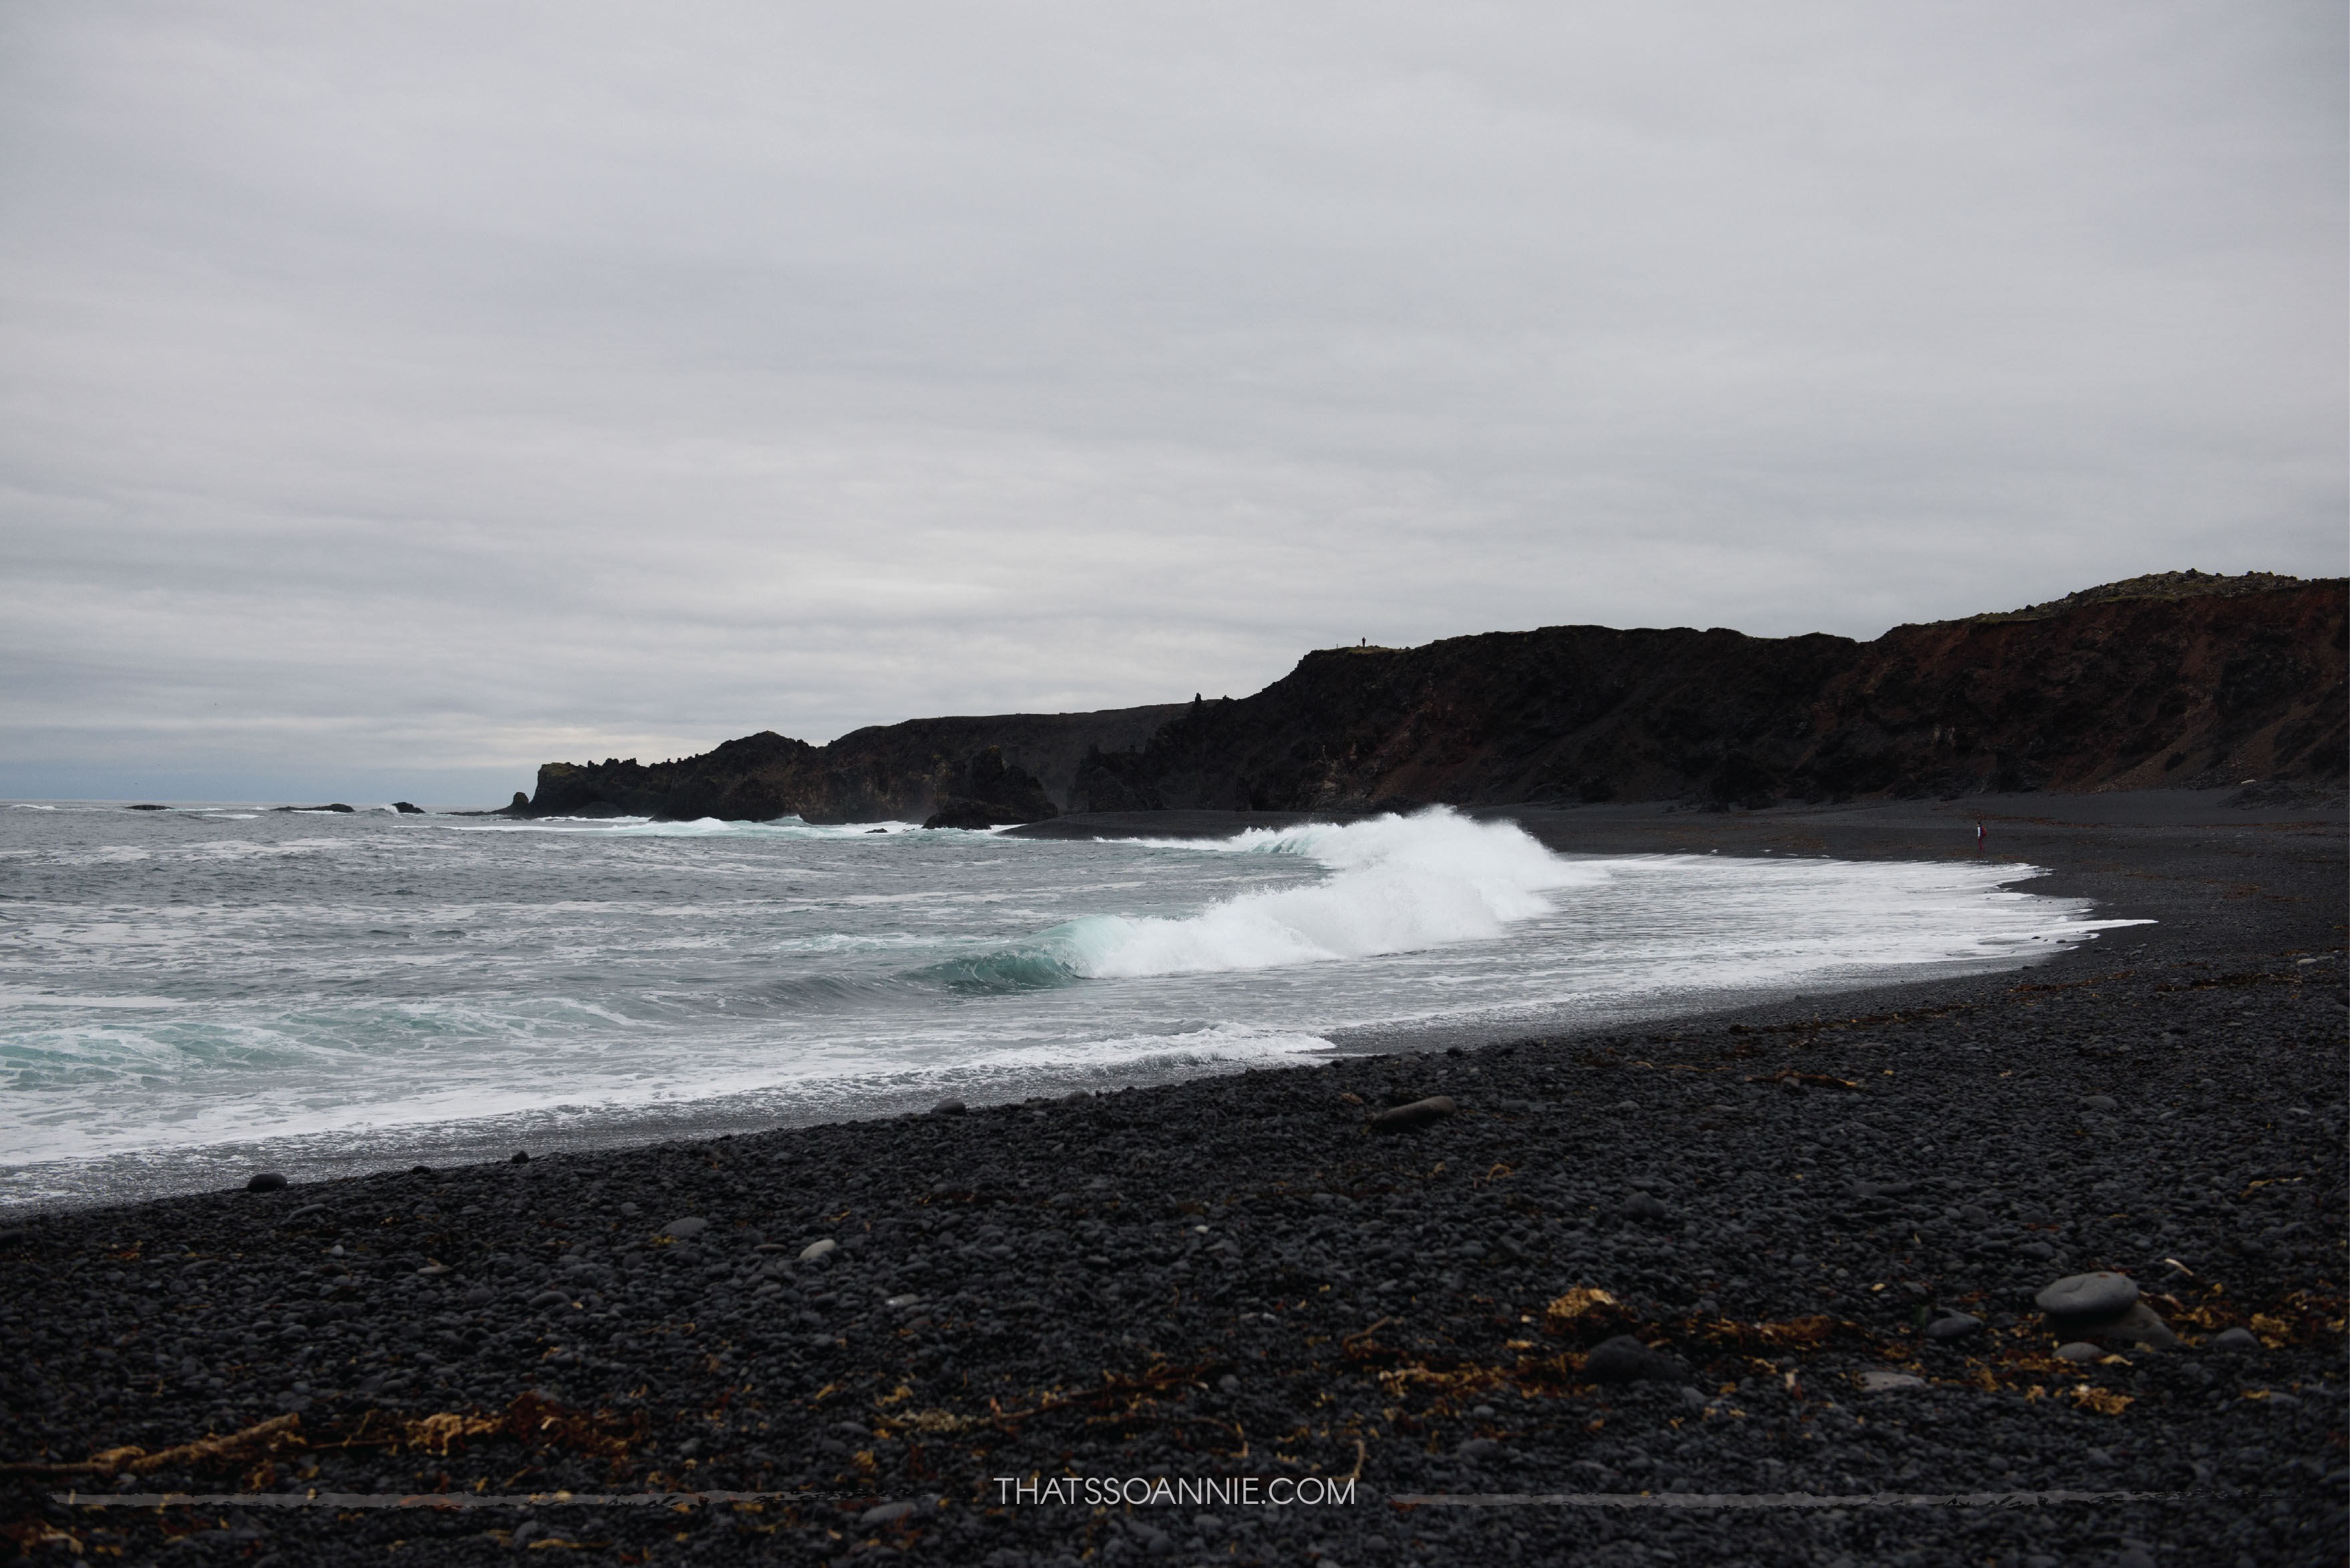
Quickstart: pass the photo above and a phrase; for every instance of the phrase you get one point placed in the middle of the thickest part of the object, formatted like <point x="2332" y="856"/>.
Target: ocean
<point x="189" y="995"/>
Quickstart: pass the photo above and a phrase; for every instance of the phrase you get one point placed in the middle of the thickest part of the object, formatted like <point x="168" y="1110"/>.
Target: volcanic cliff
<point x="2177" y="679"/>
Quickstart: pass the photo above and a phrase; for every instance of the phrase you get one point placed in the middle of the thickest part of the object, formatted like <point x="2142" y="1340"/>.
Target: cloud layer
<point x="426" y="392"/>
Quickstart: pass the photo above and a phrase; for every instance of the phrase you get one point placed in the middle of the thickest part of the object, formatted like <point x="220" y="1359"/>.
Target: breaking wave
<point x="1395" y="884"/>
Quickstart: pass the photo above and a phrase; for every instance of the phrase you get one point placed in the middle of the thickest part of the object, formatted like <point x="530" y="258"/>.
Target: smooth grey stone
<point x="1419" y="1114"/>
<point x="2098" y="1295"/>
<point x="306" y="1210"/>
<point x="2235" y="1339"/>
<point x="1877" y="1382"/>
<point x="267" y="1181"/>
<point x="2100" y="1102"/>
<point x="548" y="1298"/>
<point x="1957" y="1325"/>
<point x="1625" y="1359"/>
<point x="817" y="1250"/>
<point x="685" y="1229"/>
<point x="2079" y="1350"/>
<point x="2139" y="1324"/>
<point x="2040" y="1249"/>
<point x="885" y="1514"/>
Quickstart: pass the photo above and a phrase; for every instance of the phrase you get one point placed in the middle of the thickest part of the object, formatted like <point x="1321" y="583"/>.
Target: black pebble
<point x="1624" y="1359"/>
<point x="267" y="1181"/>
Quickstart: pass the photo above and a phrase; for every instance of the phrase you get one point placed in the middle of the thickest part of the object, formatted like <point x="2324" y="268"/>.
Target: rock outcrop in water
<point x="2177" y="679"/>
<point x="986" y="792"/>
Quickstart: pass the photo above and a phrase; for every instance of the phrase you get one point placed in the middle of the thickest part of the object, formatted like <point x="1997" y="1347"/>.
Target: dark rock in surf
<point x="1418" y="1114"/>
<point x="407" y="808"/>
<point x="969" y="814"/>
<point x="142" y="806"/>
<point x="986" y="791"/>
<point x="267" y="1181"/>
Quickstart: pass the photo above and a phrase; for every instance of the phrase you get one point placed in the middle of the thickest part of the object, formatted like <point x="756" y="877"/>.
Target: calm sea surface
<point x="189" y="995"/>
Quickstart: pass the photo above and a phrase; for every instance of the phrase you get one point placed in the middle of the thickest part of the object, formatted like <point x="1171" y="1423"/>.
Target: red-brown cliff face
<point x="2189" y="680"/>
<point x="2180" y="678"/>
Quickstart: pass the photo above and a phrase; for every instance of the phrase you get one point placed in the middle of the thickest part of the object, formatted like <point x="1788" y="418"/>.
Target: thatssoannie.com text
<point x="1190" y="1491"/>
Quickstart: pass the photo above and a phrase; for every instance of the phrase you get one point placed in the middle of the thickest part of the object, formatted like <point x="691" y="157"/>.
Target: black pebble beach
<point x="1721" y="1257"/>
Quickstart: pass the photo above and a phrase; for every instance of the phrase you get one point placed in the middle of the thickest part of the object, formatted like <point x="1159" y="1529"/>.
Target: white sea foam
<point x="699" y="828"/>
<point x="1397" y="883"/>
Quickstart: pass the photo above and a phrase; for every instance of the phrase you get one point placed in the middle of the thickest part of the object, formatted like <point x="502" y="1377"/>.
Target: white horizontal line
<point x="409" y="1500"/>
<point x="1768" y="1500"/>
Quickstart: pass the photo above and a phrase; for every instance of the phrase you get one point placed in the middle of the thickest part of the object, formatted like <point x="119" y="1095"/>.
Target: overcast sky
<point x="393" y="397"/>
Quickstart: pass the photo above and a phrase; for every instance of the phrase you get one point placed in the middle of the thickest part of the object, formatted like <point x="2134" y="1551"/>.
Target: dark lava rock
<point x="338" y="806"/>
<point x="2100" y="1102"/>
<point x="266" y="1181"/>
<point x="2139" y="1326"/>
<point x="1956" y="1325"/>
<point x="949" y="1108"/>
<point x="407" y="808"/>
<point x="1625" y="1359"/>
<point x="2229" y="1339"/>
<point x="970" y="814"/>
<point x="685" y="1229"/>
<point x="986" y="791"/>
<point x="521" y="1157"/>
<point x="2088" y="1298"/>
<point x="1418" y="1114"/>
<point x="145" y="807"/>
<point x="1645" y="1208"/>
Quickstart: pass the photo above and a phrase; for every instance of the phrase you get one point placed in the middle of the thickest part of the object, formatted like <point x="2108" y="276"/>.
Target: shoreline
<point x="130" y="1174"/>
<point x="1379" y="1306"/>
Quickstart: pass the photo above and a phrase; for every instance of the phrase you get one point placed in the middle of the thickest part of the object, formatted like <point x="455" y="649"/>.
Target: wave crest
<point x="1395" y="884"/>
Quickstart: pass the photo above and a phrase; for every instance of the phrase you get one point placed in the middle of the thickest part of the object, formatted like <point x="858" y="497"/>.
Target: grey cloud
<point x="459" y="387"/>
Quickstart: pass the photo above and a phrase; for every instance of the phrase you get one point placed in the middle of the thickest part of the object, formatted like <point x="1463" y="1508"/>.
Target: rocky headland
<point x="2177" y="679"/>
